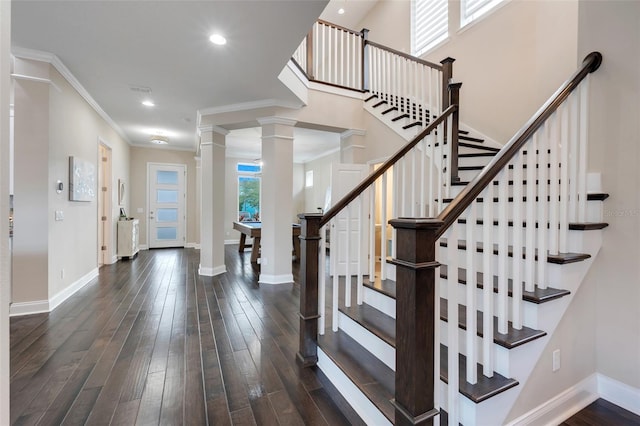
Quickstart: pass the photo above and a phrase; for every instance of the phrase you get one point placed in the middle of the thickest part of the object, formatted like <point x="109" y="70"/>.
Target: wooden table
<point x="254" y="230"/>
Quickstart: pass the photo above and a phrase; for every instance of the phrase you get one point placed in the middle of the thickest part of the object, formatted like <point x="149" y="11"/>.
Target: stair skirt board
<point x="367" y="411"/>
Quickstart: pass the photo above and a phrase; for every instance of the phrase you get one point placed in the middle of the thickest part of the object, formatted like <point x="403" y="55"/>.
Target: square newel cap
<point x="416" y="223"/>
<point x="310" y="216"/>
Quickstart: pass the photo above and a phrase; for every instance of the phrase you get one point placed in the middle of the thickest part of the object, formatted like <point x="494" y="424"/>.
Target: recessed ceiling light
<point x="217" y="39"/>
<point x="148" y="103"/>
<point x="341" y="11"/>
<point x="159" y="140"/>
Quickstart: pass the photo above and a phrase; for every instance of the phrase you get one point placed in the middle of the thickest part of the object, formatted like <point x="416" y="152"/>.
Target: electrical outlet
<point x="556" y="360"/>
<point x="59" y="215"/>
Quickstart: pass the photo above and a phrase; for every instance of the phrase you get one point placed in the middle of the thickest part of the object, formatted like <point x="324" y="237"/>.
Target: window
<point x="430" y="24"/>
<point x="430" y="19"/>
<point x="248" y="192"/>
<point x="308" y="180"/>
<point x="470" y="10"/>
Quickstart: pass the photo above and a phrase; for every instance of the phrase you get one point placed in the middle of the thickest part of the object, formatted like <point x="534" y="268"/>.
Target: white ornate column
<point x="212" y="154"/>
<point x="198" y="193"/>
<point x="277" y="200"/>
<point x="352" y="146"/>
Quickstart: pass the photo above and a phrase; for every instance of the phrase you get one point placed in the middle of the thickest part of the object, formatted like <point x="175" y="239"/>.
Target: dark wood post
<point x="454" y="96"/>
<point x="415" y="320"/>
<point x="309" y="241"/>
<point x="447" y="75"/>
<point x="365" y="59"/>
<point x="309" y="69"/>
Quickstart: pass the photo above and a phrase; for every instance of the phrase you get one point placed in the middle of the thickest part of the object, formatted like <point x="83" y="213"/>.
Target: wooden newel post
<point x="365" y="59"/>
<point x="454" y="96"/>
<point x="309" y="243"/>
<point x="447" y="75"/>
<point x="415" y="320"/>
<point x="310" y="58"/>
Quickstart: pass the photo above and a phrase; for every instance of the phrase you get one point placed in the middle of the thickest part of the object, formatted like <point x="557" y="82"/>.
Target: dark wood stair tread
<point x="373" y="320"/>
<point x="590" y="197"/>
<point x="481" y="391"/>
<point x="368" y="373"/>
<point x="387" y="111"/>
<point x="513" y="338"/>
<point x="538" y="295"/>
<point x="585" y="226"/>
<point x="376" y="105"/>
<point x="480" y="147"/>
<point x="371" y="97"/>
<point x="386" y="287"/>
<point x="560" y="258"/>
<point x="400" y="117"/>
<point x="414" y="124"/>
<point x="477" y="154"/>
<point x="465" y="137"/>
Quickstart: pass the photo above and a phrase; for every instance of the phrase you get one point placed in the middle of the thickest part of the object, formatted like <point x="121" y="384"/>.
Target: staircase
<point x="450" y="324"/>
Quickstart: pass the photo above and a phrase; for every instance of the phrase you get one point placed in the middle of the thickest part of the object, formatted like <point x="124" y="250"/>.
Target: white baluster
<point x="574" y="127"/>
<point x="543" y="211"/>
<point x="487" y="281"/>
<point x="372" y="234"/>
<point x="335" y="243"/>
<point x="554" y="192"/>
<point x="431" y="142"/>
<point x="516" y="269"/>
<point x="472" y="355"/>
<point x="449" y="153"/>
<point x="530" y="264"/>
<point x="564" y="180"/>
<point x="323" y="53"/>
<point x="414" y="165"/>
<point x="359" y="249"/>
<point x="322" y="290"/>
<point x="503" y="249"/>
<point x="343" y="64"/>
<point x="582" y="162"/>
<point x="452" y="322"/>
<point x="383" y="228"/>
<point x="347" y="271"/>
<point x="423" y="164"/>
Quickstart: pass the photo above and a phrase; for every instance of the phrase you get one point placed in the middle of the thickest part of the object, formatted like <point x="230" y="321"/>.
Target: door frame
<point x="148" y="199"/>
<point x="107" y="237"/>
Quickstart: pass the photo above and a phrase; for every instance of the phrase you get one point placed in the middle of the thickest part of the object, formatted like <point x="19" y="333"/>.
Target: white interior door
<point x="167" y="199"/>
<point x="104" y="205"/>
<point x="345" y="177"/>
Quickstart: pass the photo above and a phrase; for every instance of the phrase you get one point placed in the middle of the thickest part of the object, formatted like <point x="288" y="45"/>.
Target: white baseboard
<point x="63" y="295"/>
<point x="562" y="406"/>
<point x="227" y="242"/>
<point x="40" y="306"/>
<point x="212" y="272"/>
<point x="193" y="246"/>
<point x="143" y="247"/>
<point x="114" y="259"/>
<point x="28" y="308"/>
<point x="566" y="404"/>
<point x="275" y="279"/>
<point x="619" y="393"/>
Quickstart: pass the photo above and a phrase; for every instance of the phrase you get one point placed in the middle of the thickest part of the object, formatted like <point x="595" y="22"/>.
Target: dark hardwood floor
<point x="152" y="342"/>
<point x="602" y="413"/>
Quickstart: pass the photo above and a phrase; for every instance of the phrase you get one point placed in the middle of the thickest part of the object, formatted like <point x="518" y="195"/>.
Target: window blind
<point x="430" y="24"/>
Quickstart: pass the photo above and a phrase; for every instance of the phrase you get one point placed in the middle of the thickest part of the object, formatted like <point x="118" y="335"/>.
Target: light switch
<point x="59" y="215"/>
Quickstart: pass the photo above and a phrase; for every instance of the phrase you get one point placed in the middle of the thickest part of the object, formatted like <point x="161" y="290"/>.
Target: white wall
<point x="315" y="195"/>
<point x="52" y="123"/>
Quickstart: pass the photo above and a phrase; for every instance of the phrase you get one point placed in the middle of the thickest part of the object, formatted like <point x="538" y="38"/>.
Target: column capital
<point x="277" y="120"/>
<point x="212" y="128"/>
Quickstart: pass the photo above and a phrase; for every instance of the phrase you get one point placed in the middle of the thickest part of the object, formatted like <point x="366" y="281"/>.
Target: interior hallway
<point x="151" y="342"/>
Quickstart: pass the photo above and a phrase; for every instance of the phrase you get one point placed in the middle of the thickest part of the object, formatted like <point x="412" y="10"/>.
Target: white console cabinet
<point x="128" y="234"/>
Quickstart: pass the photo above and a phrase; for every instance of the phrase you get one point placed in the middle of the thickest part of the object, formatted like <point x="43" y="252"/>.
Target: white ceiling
<point x="112" y="46"/>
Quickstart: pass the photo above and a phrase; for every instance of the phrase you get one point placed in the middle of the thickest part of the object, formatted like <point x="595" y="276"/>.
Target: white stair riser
<point x="381" y="302"/>
<point x="382" y="350"/>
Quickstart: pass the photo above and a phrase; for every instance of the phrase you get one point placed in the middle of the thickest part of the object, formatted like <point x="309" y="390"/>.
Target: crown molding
<point x="289" y="138"/>
<point x="245" y="106"/>
<point x="37" y="55"/>
<point x="164" y="147"/>
<point x="324" y="154"/>
<point x="277" y="120"/>
<point x="352" y="132"/>
<point x="212" y="144"/>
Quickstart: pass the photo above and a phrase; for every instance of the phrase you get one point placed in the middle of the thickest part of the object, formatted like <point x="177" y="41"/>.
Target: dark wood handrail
<point x="355" y="192"/>
<point x="404" y="55"/>
<point x="459" y="204"/>
<point x="338" y="27"/>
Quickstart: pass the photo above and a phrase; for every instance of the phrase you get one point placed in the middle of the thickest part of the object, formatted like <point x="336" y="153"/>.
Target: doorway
<point x="166" y="197"/>
<point x="104" y="205"/>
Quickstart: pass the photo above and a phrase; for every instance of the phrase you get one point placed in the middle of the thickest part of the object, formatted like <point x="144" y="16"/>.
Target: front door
<point x="167" y="199"/>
